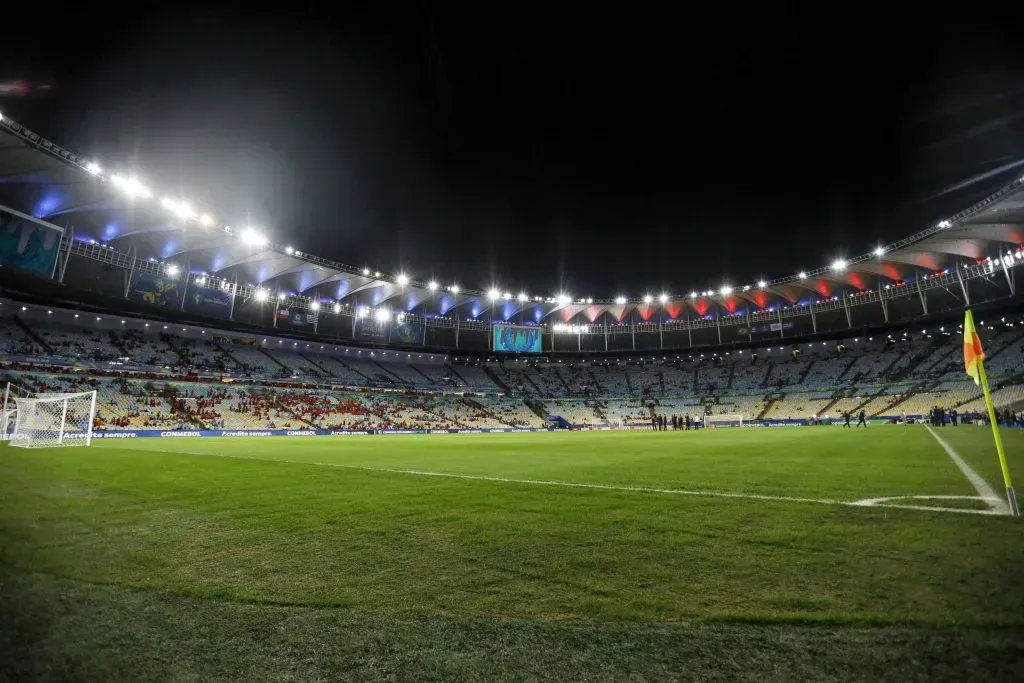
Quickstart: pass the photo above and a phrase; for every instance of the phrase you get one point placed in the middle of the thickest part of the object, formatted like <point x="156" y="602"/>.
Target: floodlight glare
<point x="172" y="270"/>
<point x="93" y="167"/>
<point x="493" y="294"/>
<point x="523" y="297"/>
<point x="506" y="296"/>
<point x="288" y="250"/>
<point x="130" y="186"/>
<point x="366" y="271"/>
<point x="879" y="251"/>
<point x="261" y="295"/>
<point x="337" y="308"/>
<point x="362" y="312"/>
<point x="648" y="298"/>
<point x="589" y="300"/>
<point x="382" y="314"/>
<point x="726" y="290"/>
<point x="944" y="224"/>
<point x="281" y="296"/>
<point x="563" y="299"/>
<point x="663" y="298"/>
<point x="253" y="238"/>
<point x="620" y="300"/>
<point x="693" y="295"/>
<point x="454" y="289"/>
<point x="802" y="275"/>
<point x="432" y="286"/>
<point x="205" y="220"/>
<point x="762" y="284"/>
<point x="839" y="264"/>
<point x="315" y="305"/>
<point x="402" y="279"/>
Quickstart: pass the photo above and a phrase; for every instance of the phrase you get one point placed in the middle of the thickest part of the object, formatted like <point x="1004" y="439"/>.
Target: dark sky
<point x="538" y="148"/>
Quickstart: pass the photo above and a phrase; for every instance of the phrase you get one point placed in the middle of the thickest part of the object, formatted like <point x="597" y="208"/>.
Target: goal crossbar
<point x="725" y="420"/>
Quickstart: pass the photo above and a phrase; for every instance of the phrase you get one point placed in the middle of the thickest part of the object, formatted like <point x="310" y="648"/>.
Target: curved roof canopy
<point x="117" y="210"/>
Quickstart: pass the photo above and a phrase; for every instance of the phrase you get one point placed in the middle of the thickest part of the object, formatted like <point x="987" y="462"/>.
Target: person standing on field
<point x="861" y="420"/>
<point x="846" y="417"/>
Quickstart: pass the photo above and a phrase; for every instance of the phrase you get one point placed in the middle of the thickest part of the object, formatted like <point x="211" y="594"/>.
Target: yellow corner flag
<point x="974" y="364"/>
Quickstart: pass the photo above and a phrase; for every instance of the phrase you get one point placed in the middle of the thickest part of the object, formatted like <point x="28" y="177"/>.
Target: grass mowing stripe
<point x="605" y="487"/>
<point x="980" y="485"/>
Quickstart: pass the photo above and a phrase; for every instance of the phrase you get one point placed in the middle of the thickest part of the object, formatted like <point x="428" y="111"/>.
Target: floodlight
<point x="382" y="315"/>
<point x="281" y="296"/>
<point x="376" y="273"/>
<point x="879" y="251"/>
<point x="172" y="270"/>
<point x="337" y="308"/>
<point x="839" y="264"/>
<point x="253" y="238"/>
<point x="366" y="271"/>
<point x="131" y="186"/>
<point x="663" y="298"/>
<point x="726" y="290"/>
<point x="563" y="299"/>
<point x="589" y="300"/>
<point x="362" y="312"/>
<point x="693" y="295"/>
<point x="93" y="167"/>
<point x="506" y="296"/>
<point x="432" y="286"/>
<point x="315" y="305"/>
<point x="762" y="284"/>
<point x="402" y="279"/>
<point x="802" y="275"/>
<point x="620" y="300"/>
<point x="944" y="224"/>
<point x="454" y="289"/>
<point x="261" y="295"/>
<point x="648" y="298"/>
<point x="493" y="294"/>
<point x="523" y="298"/>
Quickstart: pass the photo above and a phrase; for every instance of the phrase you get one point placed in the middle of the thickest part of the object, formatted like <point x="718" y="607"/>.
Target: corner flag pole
<point x="1011" y="495"/>
<point x="974" y="359"/>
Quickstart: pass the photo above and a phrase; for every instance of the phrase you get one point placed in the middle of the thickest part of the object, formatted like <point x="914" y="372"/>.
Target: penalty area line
<point x="585" y="485"/>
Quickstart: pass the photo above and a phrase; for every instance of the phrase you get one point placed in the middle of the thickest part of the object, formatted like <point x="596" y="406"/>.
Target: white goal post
<point x="731" y="420"/>
<point x="48" y="420"/>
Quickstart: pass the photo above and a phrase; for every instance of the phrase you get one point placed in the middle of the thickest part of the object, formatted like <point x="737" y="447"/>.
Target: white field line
<point x="997" y="504"/>
<point x="603" y="487"/>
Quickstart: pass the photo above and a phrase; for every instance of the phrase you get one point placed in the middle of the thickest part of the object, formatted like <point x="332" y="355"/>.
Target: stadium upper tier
<point x="243" y="382"/>
<point x="113" y="218"/>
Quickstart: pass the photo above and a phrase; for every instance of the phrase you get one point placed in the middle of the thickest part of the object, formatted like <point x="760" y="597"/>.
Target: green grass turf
<point x="304" y="521"/>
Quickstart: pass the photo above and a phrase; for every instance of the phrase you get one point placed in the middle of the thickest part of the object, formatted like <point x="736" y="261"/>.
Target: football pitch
<point x="789" y="553"/>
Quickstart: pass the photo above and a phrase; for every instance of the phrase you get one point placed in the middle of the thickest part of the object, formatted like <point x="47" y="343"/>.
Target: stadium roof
<point x="111" y="207"/>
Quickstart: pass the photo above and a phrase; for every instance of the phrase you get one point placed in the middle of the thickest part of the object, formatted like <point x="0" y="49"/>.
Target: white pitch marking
<point x="985" y="491"/>
<point x="603" y="487"/>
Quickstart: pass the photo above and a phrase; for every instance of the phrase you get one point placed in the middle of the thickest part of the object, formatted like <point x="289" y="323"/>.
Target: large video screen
<point x="510" y="339"/>
<point x="156" y="290"/>
<point x="28" y="244"/>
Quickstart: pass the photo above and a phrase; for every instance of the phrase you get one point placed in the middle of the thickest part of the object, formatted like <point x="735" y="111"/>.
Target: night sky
<point x="540" y="149"/>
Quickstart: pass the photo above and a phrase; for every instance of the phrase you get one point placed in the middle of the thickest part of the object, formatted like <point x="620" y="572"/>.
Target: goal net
<point x="724" y="421"/>
<point x="54" y="420"/>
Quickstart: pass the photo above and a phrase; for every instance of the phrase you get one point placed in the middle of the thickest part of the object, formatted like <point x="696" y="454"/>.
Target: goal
<point x="48" y="420"/>
<point x="724" y="421"/>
